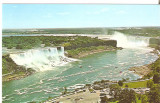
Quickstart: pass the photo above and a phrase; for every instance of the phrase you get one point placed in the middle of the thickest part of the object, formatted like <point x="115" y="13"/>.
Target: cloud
<point x="121" y="12"/>
<point x="63" y="13"/>
<point x="98" y="12"/>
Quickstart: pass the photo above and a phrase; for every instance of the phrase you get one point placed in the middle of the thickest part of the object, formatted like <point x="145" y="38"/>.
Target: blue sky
<point x="78" y="15"/>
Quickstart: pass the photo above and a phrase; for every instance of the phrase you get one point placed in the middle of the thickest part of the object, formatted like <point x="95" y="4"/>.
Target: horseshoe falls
<point x="126" y="41"/>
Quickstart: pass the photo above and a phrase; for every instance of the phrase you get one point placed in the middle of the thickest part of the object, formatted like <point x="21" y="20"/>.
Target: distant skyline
<point x="78" y="15"/>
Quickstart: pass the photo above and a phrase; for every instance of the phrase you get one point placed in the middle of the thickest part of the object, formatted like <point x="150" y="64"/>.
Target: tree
<point x="158" y="69"/>
<point x="150" y="83"/>
<point x="120" y="83"/>
<point x="19" y="46"/>
<point x="126" y="86"/>
<point x="156" y="78"/>
<point x="115" y="91"/>
<point x="127" y="96"/>
<point x="144" y="99"/>
<point x="154" y="94"/>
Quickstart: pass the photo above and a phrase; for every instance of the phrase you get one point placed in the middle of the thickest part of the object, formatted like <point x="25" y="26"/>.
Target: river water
<point x="107" y="65"/>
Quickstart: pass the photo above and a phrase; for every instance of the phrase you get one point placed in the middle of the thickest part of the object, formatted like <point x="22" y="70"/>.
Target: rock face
<point x="154" y="41"/>
<point x="11" y="71"/>
<point x="111" y="43"/>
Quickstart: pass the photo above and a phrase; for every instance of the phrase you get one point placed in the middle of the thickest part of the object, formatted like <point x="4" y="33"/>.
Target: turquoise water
<point x="106" y="65"/>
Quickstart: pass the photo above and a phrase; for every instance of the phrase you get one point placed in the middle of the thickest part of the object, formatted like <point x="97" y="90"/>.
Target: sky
<point x="78" y="15"/>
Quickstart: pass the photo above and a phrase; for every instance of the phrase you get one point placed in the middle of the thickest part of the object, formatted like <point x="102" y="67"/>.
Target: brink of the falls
<point x="41" y="59"/>
<point x="126" y="41"/>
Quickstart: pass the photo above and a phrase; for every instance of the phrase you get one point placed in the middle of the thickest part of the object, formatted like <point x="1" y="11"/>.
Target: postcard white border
<point x="65" y="2"/>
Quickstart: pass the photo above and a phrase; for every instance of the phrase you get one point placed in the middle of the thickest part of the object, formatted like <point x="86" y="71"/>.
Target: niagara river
<point x="109" y="65"/>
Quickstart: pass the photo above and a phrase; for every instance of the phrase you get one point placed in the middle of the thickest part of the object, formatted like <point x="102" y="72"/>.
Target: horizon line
<point x="80" y="27"/>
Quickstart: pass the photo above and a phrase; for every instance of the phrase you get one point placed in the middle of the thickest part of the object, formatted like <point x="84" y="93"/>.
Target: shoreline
<point x="11" y="77"/>
<point x="144" y="70"/>
<point x="141" y="70"/>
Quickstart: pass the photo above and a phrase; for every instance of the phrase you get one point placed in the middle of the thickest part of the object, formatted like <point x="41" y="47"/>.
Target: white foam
<point x="41" y="59"/>
<point x="130" y="41"/>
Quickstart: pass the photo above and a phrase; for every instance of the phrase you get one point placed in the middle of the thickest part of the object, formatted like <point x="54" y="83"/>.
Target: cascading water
<point x="41" y="59"/>
<point x="130" y="41"/>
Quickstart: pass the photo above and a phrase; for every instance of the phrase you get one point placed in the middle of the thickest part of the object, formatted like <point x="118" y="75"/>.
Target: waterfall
<point x="130" y="41"/>
<point x="41" y="59"/>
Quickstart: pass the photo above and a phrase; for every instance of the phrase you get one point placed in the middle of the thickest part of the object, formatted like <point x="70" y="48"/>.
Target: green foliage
<point x="124" y="80"/>
<point x="10" y="68"/>
<point x="150" y="83"/>
<point x="115" y="91"/>
<point x="75" y="52"/>
<point x="144" y="31"/>
<point x="127" y="96"/>
<point x="156" y="78"/>
<point x="154" y="46"/>
<point x="69" y="42"/>
<point x="144" y="99"/>
<point x="19" y="46"/>
<point x="59" y="31"/>
<point x="154" y="94"/>
<point x="91" y="90"/>
<point x="120" y="83"/>
<point x="148" y="76"/>
<point x="156" y="70"/>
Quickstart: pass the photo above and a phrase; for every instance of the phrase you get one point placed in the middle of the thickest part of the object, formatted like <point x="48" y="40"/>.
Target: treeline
<point x="69" y="42"/>
<point x="59" y="31"/>
<point x="144" y="31"/>
<point x="136" y="31"/>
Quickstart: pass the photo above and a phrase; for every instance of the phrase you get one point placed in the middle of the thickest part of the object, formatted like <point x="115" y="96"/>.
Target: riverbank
<point x="11" y="71"/>
<point x="141" y="70"/>
<point x="15" y="76"/>
<point x="146" y="71"/>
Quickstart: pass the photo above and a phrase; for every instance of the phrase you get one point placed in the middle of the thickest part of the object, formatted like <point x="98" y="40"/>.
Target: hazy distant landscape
<point x="137" y="31"/>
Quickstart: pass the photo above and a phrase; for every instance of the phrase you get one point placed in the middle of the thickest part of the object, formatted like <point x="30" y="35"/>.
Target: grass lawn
<point x="136" y="84"/>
